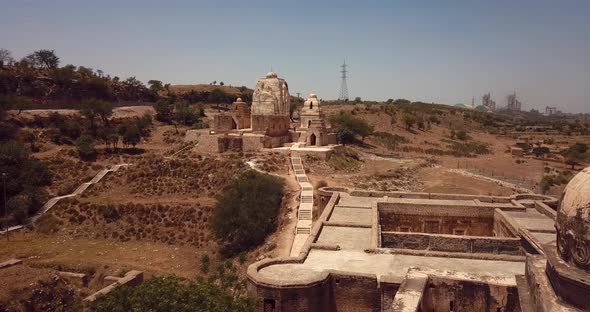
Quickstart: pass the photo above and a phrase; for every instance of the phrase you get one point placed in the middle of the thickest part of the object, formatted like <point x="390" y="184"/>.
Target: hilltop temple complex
<point x="267" y="122"/>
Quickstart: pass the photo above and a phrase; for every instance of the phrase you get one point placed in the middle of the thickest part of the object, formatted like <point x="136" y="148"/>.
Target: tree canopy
<point x="247" y="211"/>
<point x="171" y="293"/>
<point x="576" y="154"/>
<point x="349" y="126"/>
<point x="24" y="178"/>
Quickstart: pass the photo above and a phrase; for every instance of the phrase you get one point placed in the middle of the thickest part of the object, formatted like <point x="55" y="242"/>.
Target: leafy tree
<point x="540" y="151"/>
<point x="402" y="102"/>
<point x="44" y="58"/>
<point x="109" y="136"/>
<point x="85" y="146"/>
<point x="409" y="120"/>
<point x="155" y="86"/>
<point x="86" y="72"/>
<point x="5" y="58"/>
<point x="25" y="177"/>
<point x="164" y="109"/>
<point x="576" y="154"/>
<point x="345" y="136"/>
<point x="357" y="99"/>
<point x="347" y="124"/>
<point x="219" y="96"/>
<point x="247" y="211"/>
<point x="93" y="108"/>
<point x="131" y="136"/>
<point x="185" y="114"/>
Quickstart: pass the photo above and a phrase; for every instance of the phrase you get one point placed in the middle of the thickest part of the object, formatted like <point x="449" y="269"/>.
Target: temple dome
<point x="271" y="74"/>
<point x="573" y="221"/>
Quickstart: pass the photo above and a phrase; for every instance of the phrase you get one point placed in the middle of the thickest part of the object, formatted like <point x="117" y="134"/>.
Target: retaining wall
<point x="451" y="243"/>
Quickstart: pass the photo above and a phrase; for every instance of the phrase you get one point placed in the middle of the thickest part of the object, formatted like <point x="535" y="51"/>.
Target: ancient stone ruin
<point x="267" y="123"/>
<point x="403" y="251"/>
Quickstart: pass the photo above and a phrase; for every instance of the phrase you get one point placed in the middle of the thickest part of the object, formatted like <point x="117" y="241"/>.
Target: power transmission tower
<point x="343" y="86"/>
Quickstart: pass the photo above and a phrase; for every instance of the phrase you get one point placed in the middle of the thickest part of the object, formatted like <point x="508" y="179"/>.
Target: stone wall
<point x="451" y="243"/>
<point x="435" y="222"/>
<point x="208" y="143"/>
<point x="224" y="123"/>
<point x="444" y="294"/>
<point x="230" y="143"/>
<point x="271" y="125"/>
<point x="341" y="291"/>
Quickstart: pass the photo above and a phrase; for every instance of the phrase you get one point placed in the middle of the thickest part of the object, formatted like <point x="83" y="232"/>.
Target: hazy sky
<point x="433" y="51"/>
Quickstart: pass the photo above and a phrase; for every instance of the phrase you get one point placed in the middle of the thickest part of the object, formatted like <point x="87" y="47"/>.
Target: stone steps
<point x="305" y="215"/>
<point x="303" y="230"/>
<point x="79" y="190"/>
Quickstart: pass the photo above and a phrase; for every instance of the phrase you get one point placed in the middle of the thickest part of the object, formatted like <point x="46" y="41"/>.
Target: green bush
<point x="85" y="146"/>
<point x="247" y="211"/>
<point x="24" y="178"/>
<point x="173" y="294"/>
<point x="322" y="183"/>
<point x="389" y="141"/>
<point x="349" y="126"/>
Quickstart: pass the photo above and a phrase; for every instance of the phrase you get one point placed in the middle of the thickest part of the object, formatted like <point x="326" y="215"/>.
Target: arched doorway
<point x="312" y="139"/>
<point x="234" y="125"/>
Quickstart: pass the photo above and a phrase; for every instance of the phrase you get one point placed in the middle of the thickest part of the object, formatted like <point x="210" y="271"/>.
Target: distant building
<point x="550" y="110"/>
<point x="513" y="104"/>
<point x="488" y="103"/>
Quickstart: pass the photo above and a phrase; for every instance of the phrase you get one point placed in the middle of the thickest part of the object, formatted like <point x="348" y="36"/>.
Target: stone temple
<point x="267" y="123"/>
<point x="270" y="106"/>
<point x="403" y="251"/>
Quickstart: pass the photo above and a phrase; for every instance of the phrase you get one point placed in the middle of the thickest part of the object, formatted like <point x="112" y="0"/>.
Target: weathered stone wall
<point x="436" y="223"/>
<point x="224" y="123"/>
<point x="340" y="292"/>
<point x="451" y="243"/>
<point x="354" y="293"/>
<point x="208" y="143"/>
<point x="230" y="143"/>
<point x="252" y="143"/>
<point x="443" y="294"/>
<point x="292" y="299"/>
<point x="276" y="141"/>
<point x="502" y="227"/>
<point x="271" y="125"/>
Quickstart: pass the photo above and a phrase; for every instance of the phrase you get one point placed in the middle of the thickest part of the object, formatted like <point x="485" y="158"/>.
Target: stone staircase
<point x="79" y="190"/>
<point x="305" y="210"/>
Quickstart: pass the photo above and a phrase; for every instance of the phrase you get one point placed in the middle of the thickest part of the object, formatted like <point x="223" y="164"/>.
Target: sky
<point x="432" y="51"/>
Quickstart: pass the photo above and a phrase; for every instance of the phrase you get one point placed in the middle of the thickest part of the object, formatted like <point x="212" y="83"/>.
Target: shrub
<point x="349" y="126"/>
<point x="390" y="141"/>
<point x="461" y="135"/>
<point x="322" y="183"/>
<point x="247" y="211"/>
<point x="173" y="294"/>
<point x="85" y="146"/>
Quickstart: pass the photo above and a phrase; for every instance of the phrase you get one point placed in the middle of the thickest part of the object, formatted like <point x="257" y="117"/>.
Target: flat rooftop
<point x="350" y="227"/>
<point x="397" y="265"/>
